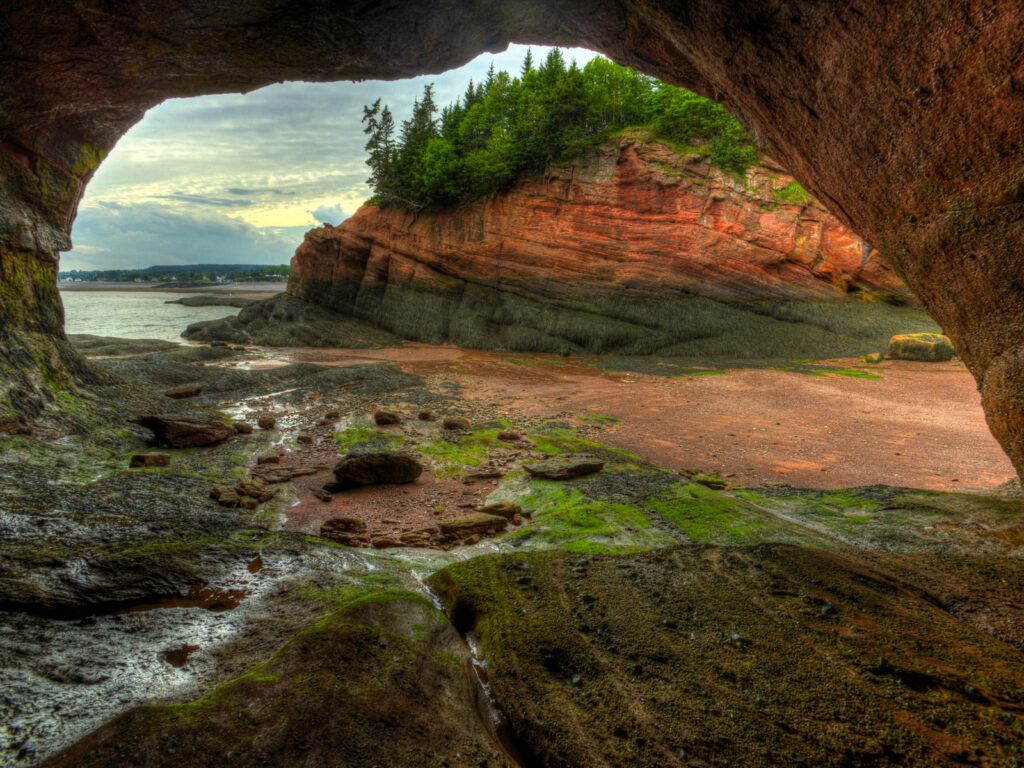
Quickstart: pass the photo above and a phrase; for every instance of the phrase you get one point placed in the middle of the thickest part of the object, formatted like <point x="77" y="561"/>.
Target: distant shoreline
<point x="238" y="290"/>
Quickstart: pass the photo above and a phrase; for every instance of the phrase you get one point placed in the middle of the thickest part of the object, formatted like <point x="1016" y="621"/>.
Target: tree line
<point x="194" y="273"/>
<point x="506" y="126"/>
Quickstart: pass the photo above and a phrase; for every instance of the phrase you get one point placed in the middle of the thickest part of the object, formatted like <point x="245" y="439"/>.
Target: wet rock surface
<point x="185" y="431"/>
<point x="595" y="658"/>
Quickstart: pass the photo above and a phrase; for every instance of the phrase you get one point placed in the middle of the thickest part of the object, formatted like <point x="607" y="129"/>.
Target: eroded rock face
<point x="630" y="224"/>
<point x="905" y="122"/>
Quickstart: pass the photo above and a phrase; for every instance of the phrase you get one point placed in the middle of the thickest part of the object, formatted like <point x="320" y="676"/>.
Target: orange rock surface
<point x="632" y="217"/>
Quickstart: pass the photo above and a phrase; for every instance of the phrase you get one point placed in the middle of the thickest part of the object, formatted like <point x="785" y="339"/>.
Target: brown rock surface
<point x="565" y="467"/>
<point x="374" y="468"/>
<point x="478" y="522"/>
<point x="150" y="460"/>
<point x="632" y="218"/>
<point x="185" y="390"/>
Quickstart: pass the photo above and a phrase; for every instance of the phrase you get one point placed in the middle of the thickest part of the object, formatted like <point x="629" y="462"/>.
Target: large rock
<point x="375" y="468"/>
<point x="565" y="467"/>
<point x="924" y="347"/>
<point x="185" y="432"/>
<point x="633" y="221"/>
<point x="467" y="525"/>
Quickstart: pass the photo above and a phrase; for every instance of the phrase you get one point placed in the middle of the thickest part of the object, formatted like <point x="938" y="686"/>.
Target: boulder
<point x="383" y="418"/>
<point x="185" y="390"/>
<point x="376" y="468"/>
<point x="467" y="525"/>
<point x="185" y="432"/>
<point x="150" y="460"/>
<point x="566" y="467"/>
<point x="923" y="347"/>
<point x="459" y="423"/>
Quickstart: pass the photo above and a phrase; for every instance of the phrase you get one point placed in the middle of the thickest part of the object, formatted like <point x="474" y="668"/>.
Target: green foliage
<point x="792" y="194"/>
<point x="508" y="126"/>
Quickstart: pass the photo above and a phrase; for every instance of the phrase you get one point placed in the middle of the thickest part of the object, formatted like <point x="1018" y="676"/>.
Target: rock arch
<point x="906" y="119"/>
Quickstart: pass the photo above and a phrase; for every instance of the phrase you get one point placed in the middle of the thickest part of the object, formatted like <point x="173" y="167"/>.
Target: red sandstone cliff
<point x="633" y="217"/>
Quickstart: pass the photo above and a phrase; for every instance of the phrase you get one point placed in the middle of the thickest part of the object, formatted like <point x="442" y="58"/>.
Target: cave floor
<point x="703" y="598"/>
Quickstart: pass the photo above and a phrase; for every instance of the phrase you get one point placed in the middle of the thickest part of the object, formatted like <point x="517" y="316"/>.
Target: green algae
<point x="363" y="438"/>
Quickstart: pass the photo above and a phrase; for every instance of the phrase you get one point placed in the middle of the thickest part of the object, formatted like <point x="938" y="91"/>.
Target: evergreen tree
<point x="506" y="126"/>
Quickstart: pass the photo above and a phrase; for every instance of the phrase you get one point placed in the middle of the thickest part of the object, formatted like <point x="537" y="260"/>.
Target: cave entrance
<point x="649" y="258"/>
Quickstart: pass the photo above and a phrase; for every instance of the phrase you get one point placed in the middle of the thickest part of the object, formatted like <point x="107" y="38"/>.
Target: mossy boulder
<point x="923" y="347"/>
<point x="383" y="682"/>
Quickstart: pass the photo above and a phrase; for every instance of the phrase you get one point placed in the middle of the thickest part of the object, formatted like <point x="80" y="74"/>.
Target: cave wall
<point x="905" y="119"/>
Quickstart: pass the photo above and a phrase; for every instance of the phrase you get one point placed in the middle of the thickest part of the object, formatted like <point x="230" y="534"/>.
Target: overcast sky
<point x="239" y="179"/>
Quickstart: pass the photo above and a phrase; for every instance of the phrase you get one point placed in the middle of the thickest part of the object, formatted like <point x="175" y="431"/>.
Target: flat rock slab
<point x="566" y="467"/>
<point x="376" y="468"/>
<point x="185" y="390"/>
<point x="923" y="347"/>
<point x="185" y="432"/>
<point x="467" y="525"/>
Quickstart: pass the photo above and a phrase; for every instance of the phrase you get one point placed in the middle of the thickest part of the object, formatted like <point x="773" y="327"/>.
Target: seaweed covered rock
<point x="754" y="657"/>
<point x="923" y="347"/>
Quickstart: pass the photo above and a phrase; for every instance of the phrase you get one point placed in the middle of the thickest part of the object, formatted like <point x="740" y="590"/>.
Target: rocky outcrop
<point x="904" y="121"/>
<point x="632" y="248"/>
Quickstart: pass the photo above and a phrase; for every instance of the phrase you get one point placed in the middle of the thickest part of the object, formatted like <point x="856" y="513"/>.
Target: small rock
<point x="217" y="344"/>
<point x="508" y="437"/>
<point x="266" y="421"/>
<point x="185" y="432"/>
<point x="386" y="542"/>
<point x="343" y="525"/>
<point x="566" y="467"/>
<point x="874" y="357"/>
<point x="456" y="423"/>
<point x="332" y="415"/>
<point x="426" y="416"/>
<point x="383" y="418"/>
<point x="323" y="495"/>
<point x="460" y="527"/>
<point x="517" y="519"/>
<point x="376" y="468"/>
<point x="216" y="492"/>
<point x="268" y="458"/>
<point x="471" y="540"/>
<point x="229" y="498"/>
<point x="248" y="502"/>
<point x="305" y="439"/>
<point x="923" y="347"/>
<point x="243" y="427"/>
<point x="185" y="390"/>
<point x="508" y="509"/>
<point x="479" y="475"/>
<point x="150" y="460"/>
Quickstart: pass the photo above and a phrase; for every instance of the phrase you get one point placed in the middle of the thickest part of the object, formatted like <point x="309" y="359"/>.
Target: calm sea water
<point x="133" y="314"/>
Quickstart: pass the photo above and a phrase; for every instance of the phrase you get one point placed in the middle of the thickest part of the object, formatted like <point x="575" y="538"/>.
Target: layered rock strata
<point x="632" y="248"/>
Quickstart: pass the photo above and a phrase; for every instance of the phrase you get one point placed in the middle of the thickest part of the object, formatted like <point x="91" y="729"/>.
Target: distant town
<point x="193" y="273"/>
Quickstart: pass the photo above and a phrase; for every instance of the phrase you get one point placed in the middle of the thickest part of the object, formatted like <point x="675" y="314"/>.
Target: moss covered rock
<point x="923" y="347"/>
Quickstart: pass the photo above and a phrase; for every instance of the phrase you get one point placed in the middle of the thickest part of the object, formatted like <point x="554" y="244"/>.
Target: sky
<point x="238" y="179"/>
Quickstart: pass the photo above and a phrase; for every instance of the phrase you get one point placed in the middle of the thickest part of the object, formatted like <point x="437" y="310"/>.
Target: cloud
<point x="270" y="158"/>
<point x="329" y="214"/>
<point x="115" y="235"/>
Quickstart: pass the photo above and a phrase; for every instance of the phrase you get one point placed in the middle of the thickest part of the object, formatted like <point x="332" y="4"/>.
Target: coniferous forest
<point x="507" y="126"/>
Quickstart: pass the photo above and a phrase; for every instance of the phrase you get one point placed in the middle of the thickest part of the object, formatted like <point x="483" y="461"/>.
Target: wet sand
<point x="918" y="425"/>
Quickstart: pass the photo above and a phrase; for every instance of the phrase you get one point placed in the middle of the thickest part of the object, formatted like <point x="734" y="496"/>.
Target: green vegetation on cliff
<point x="507" y="126"/>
